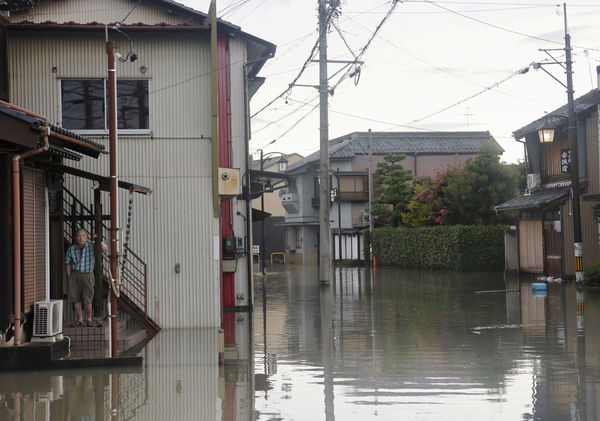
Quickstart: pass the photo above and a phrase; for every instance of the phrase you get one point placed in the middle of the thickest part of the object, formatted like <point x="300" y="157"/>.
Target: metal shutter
<point x="34" y="237"/>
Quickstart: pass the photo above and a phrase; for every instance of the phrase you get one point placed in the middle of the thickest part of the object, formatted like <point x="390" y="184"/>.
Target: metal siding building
<point x="173" y="226"/>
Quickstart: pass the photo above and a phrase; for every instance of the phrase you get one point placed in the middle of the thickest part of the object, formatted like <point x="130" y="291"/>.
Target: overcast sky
<point x="425" y="58"/>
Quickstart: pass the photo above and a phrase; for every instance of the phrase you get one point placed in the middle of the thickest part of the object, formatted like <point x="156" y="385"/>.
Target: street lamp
<point x="282" y="167"/>
<point x="282" y="164"/>
<point x="546" y="135"/>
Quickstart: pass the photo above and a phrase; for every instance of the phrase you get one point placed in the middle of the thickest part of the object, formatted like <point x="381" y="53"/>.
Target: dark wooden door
<point x="552" y="250"/>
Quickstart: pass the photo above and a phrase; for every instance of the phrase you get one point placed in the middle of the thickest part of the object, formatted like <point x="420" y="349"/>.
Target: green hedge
<point x="456" y="247"/>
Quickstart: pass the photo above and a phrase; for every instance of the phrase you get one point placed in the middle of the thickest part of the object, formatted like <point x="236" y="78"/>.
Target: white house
<point x="56" y="65"/>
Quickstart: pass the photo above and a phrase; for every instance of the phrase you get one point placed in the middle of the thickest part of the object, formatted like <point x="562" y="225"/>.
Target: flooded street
<point x="414" y="345"/>
<point x="422" y="345"/>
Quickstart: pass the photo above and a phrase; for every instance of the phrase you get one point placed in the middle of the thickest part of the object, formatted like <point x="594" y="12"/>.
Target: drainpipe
<point x="16" y="172"/>
<point x="114" y="236"/>
<point x="524" y="153"/>
<point x="416" y="154"/>
<point x="217" y="241"/>
<point x="248" y="187"/>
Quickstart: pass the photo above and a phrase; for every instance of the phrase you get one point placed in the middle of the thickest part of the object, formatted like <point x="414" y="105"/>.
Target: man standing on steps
<point x="80" y="263"/>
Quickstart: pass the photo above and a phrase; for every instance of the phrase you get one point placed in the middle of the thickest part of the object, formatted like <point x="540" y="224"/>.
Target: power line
<point x="499" y="3"/>
<point x="366" y="46"/>
<point x="132" y="9"/>
<point x="289" y="129"/>
<point x="441" y="69"/>
<point x="371" y="119"/>
<point x="499" y="27"/>
<point x="488" y="88"/>
<point x="302" y="69"/>
<point x="503" y="9"/>
<point x="252" y="11"/>
<point x="304" y="104"/>
<point x="232" y="7"/>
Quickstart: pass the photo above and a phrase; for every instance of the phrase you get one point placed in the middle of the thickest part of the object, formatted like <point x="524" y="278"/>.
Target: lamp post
<point x="547" y="136"/>
<point x="282" y="167"/>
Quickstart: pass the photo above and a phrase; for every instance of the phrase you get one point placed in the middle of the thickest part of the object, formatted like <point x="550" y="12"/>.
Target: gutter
<point x="16" y="172"/>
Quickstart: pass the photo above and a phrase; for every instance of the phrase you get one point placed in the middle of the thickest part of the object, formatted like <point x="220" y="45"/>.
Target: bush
<point x="591" y="274"/>
<point x="456" y="247"/>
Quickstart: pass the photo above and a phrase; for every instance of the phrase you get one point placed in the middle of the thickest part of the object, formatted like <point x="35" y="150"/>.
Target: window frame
<point x="105" y="131"/>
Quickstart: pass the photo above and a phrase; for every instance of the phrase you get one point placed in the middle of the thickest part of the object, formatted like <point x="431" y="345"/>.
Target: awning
<point x="537" y="199"/>
<point x="104" y="182"/>
<point x="258" y="215"/>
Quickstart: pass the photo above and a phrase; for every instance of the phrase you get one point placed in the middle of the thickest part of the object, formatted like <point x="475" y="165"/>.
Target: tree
<point x="485" y="182"/>
<point x="394" y="188"/>
<point x="429" y="205"/>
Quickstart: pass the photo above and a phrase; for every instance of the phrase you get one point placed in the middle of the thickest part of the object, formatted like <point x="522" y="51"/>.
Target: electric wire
<point x="486" y="89"/>
<point x="339" y="31"/>
<point x="289" y="129"/>
<point x="232" y="8"/>
<point x="251" y="11"/>
<point x="372" y="119"/>
<point x="132" y="9"/>
<point x="498" y="3"/>
<point x="302" y="69"/>
<point x="270" y="123"/>
<point x="501" y="28"/>
<point x="441" y="69"/>
<point x="364" y="49"/>
<point x="503" y="9"/>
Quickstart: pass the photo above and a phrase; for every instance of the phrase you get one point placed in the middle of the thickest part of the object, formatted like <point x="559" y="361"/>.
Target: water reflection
<point x="397" y="345"/>
<point x="181" y="380"/>
<point x="425" y="345"/>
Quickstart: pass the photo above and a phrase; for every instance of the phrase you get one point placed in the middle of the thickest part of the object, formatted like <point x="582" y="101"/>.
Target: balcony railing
<point x="354" y="196"/>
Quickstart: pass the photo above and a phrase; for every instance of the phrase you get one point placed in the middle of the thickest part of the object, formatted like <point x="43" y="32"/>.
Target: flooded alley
<point x="402" y="344"/>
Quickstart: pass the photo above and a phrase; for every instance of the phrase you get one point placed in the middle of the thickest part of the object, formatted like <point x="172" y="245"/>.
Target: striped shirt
<point x="81" y="259"/>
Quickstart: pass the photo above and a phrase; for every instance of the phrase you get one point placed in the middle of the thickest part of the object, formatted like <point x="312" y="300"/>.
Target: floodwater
<point x="399" y="344"/>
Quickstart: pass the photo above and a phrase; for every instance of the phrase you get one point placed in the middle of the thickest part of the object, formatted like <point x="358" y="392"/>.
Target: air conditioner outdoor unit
<point x="533" y="181"/>
<point x="47" y="318"/>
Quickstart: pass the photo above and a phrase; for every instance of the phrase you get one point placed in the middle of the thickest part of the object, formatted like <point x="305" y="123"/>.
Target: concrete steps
<point x="93" y="342"/>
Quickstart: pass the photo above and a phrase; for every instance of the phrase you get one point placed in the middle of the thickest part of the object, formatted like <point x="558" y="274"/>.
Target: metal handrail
<point x="133" y="279"/>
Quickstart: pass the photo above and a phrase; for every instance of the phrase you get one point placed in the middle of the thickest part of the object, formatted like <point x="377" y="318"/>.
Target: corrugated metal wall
<point x="183" y="376"/>
<point x="173" y="225"/>
<point x="593" y="161"/>
<point x="106" y="11"/>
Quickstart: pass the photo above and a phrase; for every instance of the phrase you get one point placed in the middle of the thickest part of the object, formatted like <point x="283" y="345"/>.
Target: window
<point x="84" y="104"/>
<point x="353" y="183"/>
<point x="354" y="188"/>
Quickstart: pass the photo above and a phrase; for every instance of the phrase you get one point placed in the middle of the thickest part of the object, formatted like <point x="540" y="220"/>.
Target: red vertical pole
<point x="112" y="136"/>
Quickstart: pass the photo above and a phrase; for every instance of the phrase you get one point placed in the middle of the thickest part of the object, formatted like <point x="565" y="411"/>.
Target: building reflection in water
<point x="419" y="342"/>
<point x="181" y="380"/>
<point x="399" y="344"/>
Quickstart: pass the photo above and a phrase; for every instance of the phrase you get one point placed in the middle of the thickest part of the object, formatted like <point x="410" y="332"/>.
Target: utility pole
<point x="574" y="166"/>
<point x="370" y="181"/>
<point x="324" y="189"/>
<point x="114" y="236"/>
<point x="339" y="203"/>
<point x="263" y="240"/>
